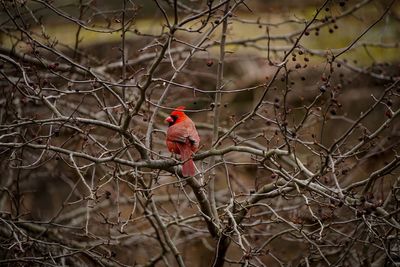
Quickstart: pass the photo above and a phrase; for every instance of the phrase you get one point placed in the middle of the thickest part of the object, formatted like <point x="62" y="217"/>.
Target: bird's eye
<point x="174" y="117"/>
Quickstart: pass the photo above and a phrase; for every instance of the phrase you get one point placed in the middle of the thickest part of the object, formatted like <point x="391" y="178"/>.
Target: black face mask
<point x="174" y="118"/>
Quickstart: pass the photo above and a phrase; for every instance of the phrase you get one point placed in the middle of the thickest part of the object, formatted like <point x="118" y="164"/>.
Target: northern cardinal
<point x="182" y="139"/>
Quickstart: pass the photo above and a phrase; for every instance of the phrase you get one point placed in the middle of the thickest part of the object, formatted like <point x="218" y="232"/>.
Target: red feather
<point x="183" y="139"/>
<point x="188" y="168"/>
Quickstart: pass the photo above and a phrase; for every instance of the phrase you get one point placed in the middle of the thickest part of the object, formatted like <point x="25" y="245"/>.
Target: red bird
<point x="182" y="139"/>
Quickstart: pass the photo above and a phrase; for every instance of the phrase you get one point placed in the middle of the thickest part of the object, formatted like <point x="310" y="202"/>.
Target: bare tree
<point x="298" y="161"/>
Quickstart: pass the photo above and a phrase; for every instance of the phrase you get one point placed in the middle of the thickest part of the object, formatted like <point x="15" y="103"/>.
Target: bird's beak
<point x="169" y="120"/>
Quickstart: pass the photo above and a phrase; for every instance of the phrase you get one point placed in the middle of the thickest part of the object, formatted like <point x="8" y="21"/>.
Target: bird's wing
<point x="177" y="133"/>
<point x="183" y="132"/>
<point x="194" y="136"/>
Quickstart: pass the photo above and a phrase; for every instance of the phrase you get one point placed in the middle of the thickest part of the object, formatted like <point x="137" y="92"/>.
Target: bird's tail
<point x="188" y="167"/>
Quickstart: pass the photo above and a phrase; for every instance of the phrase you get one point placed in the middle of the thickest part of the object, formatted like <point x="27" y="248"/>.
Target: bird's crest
<point x="178" y="111"/>
<point x="180" y="108"/>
